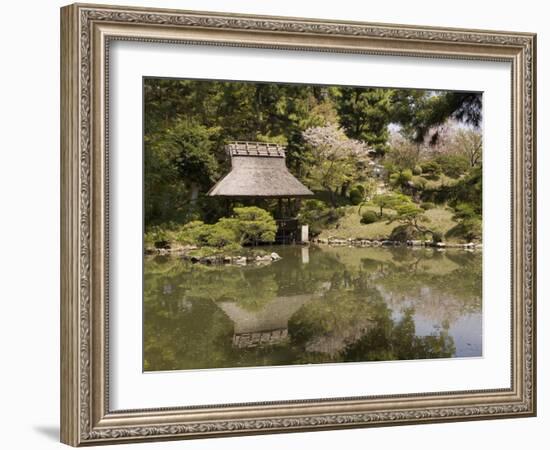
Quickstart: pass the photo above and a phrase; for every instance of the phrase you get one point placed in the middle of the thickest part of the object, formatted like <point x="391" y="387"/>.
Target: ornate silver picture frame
<point x="87" y="32"/>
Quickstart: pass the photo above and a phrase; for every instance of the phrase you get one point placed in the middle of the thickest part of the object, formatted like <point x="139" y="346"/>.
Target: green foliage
<point x="419" y="182"/>
<point x="467" y="190"/>
<point x="249" y="225"/>
<point x="401" y="178"/>
<point x="365" y="114"/>
<point x="253" y="225"/>
<point x="431" y="169"/>
<point x="390" y="200"/>
<point x="464" y="211"/>
<point x="179" y="163"/>
<point x="221" y="234"/>
<point x="193" y="146"/>
<point x="356" y="195"/>
<point x="420" y="111"/>
<point x="313" y="210"/>
<point x="157" y="237"/>
<point x="410" y="215"/>
<point x="408" y="212"/>
<point x="188" y="122"/>
<point x="404" y="233"/>
<point x="318" y="215"/>
<point x="469" y="225"/>
<point x="369" y="217"/>
<point x="453" y="165"/>
<point x="427" y="205"/>
<point x="194" y="232"/>
<point x="467" y="229"/>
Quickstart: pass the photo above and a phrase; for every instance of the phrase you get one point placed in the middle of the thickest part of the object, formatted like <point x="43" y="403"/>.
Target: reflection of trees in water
<point x="440" y="287"/>
<point x="361" y="328"/>
<point x="397" y="340"/>
<point x="346" y="314"/>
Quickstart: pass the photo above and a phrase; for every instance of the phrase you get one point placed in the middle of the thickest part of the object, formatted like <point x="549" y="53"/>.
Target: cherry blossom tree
<point x="337" y="158"/>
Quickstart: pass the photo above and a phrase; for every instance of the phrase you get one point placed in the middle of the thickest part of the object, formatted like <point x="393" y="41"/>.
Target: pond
<point x="315" y="305"/>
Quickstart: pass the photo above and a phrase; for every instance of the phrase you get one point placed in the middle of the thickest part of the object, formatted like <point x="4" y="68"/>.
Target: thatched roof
<point x="274" y="315"/>
<point x="258" y="170"/>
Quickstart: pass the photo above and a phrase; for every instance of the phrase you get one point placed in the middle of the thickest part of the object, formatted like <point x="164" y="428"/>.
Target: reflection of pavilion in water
<point x="267" y="326"/>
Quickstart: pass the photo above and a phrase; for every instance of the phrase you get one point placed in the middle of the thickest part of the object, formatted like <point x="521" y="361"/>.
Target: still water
<point x="315" y="305"/>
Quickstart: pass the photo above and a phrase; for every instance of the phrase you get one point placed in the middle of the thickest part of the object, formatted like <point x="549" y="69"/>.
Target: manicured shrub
<point x="249" y="225"/>
<point x="419" y="182"/>
<point x="389" y="200"/>
<point x="253" y="225"/>
<point x="401" y="178"/>
<point x="221" y="234"/>
<point x="195" y="233"/>
<point x="356" y="195"/>
<point x="417" y="170"/>
<point x="431" y="168"/>
<point x="369" y="217"/>
<point x="403" y="233"/>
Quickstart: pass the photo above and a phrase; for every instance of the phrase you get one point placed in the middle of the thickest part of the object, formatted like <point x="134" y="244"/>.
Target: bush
<point x="318" y="215"/>
<point x="253" y="225"/>
<point x="356" y="195"/>
<point x="403" y="233"/>
<point x="469" y="230"/>
<point x="401" y="178"/>
<point x="221" y="234"/>
<point x="431" y="168"/>
<point x="335" y="214"/>
<point x="427" y="205"/>
<point x="250" y="225"/>
<point x="157" y="237"/>
<point x="464" y="211"/>
<point x="453" y="165"/>
<point x="195" y="232"/>
<point x="419" y="182"/>
<point x="417" y="170"/>
<point x="312" y="211"/>
<point x="369" y="217"/>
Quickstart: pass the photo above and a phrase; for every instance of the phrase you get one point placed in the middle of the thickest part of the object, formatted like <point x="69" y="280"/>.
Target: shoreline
<point x="271" y="256"/>
<point x="338" y="242"/>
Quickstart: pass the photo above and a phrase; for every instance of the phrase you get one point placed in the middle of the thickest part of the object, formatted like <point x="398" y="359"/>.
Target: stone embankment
<point x="333" y="241"/>
<point x="186" y="253"/>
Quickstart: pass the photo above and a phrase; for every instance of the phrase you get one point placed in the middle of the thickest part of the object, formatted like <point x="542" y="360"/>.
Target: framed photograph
<point x="277" y="224"/>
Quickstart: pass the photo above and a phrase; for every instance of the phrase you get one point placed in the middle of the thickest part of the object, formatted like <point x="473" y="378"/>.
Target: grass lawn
<point x="349" y="226"/>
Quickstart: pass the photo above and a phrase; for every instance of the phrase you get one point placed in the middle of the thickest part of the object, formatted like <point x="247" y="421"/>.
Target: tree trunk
<point x="194" y="193"/>
<point x="332" y="199"/>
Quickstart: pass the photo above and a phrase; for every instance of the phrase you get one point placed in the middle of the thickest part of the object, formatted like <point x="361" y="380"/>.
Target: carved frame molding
<point x="86" y="31"/>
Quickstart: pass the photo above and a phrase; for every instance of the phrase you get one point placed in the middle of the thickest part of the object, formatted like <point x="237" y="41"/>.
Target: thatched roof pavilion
<point x="258" y="170"/>
<point x="267" y="326"/>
